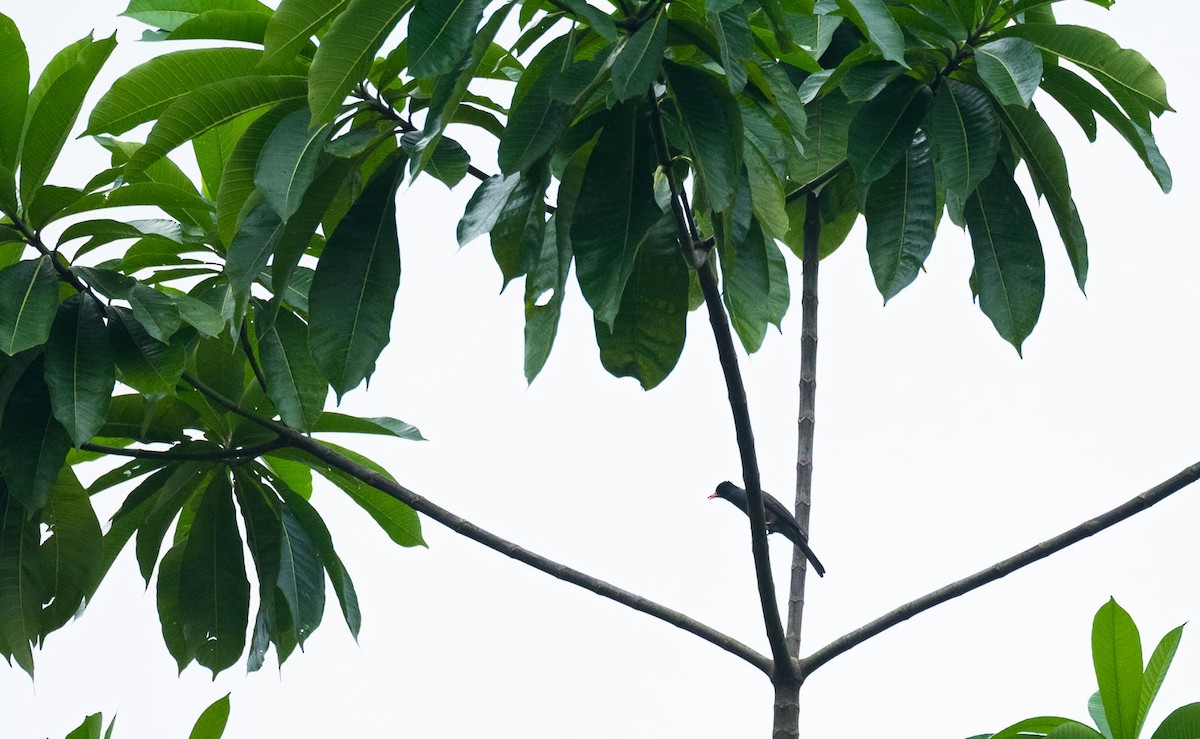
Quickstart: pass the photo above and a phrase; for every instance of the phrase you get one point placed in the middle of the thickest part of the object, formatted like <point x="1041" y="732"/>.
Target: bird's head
<point x="726" y="490"/>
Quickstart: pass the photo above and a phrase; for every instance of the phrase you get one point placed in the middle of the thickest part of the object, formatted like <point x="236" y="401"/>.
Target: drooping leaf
<point x="28" y="301"/>
<point x="901" y="210"/>
<point x="1011" y="68"/>
<point x="536" y="119"/>
<point x="880" y="27"/>
<point x="237" y="179"/>
<point x="354" y="289"/>
<point x="71" y="554"/>
<point x="521" y="224"/>
<point x="1010" y="270"/>
<point x="1183" y="722"/>
<point x="80" y="367"/>
<point x="883" y="128"/>
<point x="544" y="289"/>
<point x="288" y="162"/>
<point x="14" y="94"/>
<point x="20" y="581"/>
<point x="293" y="24"/>
<point x="344" y="56"/>
<point x="33" y="444"/>
<point x="639" y="60"/>
<point x="615" y="209"/>
<point x="211" y="724"/>
<point x="735" y="41"/>
<point x="965" y="136"/>
<point x="214" y="593"/>
<point x="712" y="126"/>
<point x="172" y="489"/>
<point x="167" y="597"/>
<point x="439" y="34"/>
<point x="747" y="288"/>
<point x="827" y="137"/>
<point x="294" y="382"/>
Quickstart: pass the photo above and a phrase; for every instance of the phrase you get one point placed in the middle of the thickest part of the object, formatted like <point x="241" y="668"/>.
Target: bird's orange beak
<point x="714" y="495"/>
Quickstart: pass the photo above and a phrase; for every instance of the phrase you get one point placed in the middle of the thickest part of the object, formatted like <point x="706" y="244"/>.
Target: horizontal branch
<point x="1005" y="567"/>
<point x="464" y="527"/>
<point x="216" y="455"/>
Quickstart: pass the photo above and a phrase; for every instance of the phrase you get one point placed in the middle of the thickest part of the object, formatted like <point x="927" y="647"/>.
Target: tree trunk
<point x="786" y="723"/>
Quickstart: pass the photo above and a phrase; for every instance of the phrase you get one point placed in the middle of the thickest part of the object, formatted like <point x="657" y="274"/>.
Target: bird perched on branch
<point x="779" y="519"/>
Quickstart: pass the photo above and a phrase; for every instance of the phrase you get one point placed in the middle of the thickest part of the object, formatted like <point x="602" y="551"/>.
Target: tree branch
<point x="807" y="416"/>
<point x="688" y="233"/>
<point x="170" y="454"/>
<point x="464" y="527"/>
<point x="1005" y="567"/>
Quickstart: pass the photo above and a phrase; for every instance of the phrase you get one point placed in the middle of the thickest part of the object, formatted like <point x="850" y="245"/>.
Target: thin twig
<point x="219" y="455"/>
<point x="816" y="184"/>
<point x="1128" y="509"/>
<point x="688" y="232"/>
<point x="248" y="350"/>
<point x="464" y="527"/>
<point x="807" y="416"/>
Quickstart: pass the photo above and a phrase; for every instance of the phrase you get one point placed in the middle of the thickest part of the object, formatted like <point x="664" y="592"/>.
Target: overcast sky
<point x="938" y="452"/>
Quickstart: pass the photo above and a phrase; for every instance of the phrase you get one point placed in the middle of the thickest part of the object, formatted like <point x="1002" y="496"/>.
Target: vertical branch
<point x="690" y="242"/>
<point x="807" y="417"/>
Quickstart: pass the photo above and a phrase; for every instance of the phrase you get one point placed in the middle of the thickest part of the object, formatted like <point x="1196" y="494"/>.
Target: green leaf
<point x="354" y="289"/>
<point x="14" y="93"/>
<point x="33" y="444"/>
<point x="965" y="136"/>
<point x="51" y="117"/>
<point x="1047" y="167"/>
<point x="294" y="382"/>
<point x="71" y="555"/>
<point x="1010" y="271"/>
<point x="1061" y="82"/>
<point x="146" y="364"/>
<point x="214" y="593"/>
<point x="712" y="126"/>
<point x="89" y="729"/>
<point x="1125" y="73"/>
<point x="293" y="24"/>
<point x="873" y="17"/>
<point x="171" y="14"/>
<point x="769" y="201"/>
<point x="1117" y="656"/>
<point x="237" y="179"/>
<point x="484" y="208"/>
<point x="883" y="128"/>
<point x="198" y="314"/>
<point x="249" y="253"/>
<point x="28" y="301"/>
<point x="288" y="162"/>
<point x="1156" y="672"/>
<point x="1183" y="723"/>
<point x="344" y="57"/>
<point x="1096" y="711"/>
<point x="901" y="211"/>
<point x="615" y="209"/>
<point x="172" y="489"/>
<point x="536" y="119"/>
<point x="439" y="34"/>
<point x="211" y="724"/>
<point x="225" y="25"/>
<point x="1074" y="730"/>
<point x="827" y="137"/>
<point x="208" y="107"/>
<point x="735" y="41"/>
<point x="80" y="367"/>
<point x="1011" y="68"/>
<point x="168" y="601"/>
<point x="639" y="60"/>
<point x="747" y="282"/>
<point x="144" y="92"/>
<point x="1031" y="727"/>
<point x="301" y="579"/>
<point x="20" y="581"/>
<point x="544" y="289"/>
<point x="521" y="225"/>
<point x="333" y="423"/>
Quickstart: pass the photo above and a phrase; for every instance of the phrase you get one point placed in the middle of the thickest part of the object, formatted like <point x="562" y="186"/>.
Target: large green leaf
<point x="712" y="126"/>
<point x="537" y="119"/>
<point x="615" y="209"/>
<point x="288" y="162"/>
<point x="1010" y="270"/>
<point x="211" y="106"/>
<point x="1183" y="723"/>
<point x="638" y="62"/>
<point x="145" y="91"/>
<point x="293" y="24"/>
<point x="301" y="578"/>
<point x="544" y="289"/>
<point x="1117" y="656"/>
<point x="237" y="179"/>
<point x="1125" y="73"/>
<point x="880" y="27"/>
<point x="344" y="57"/>
<point x="20" y="581"/>
<point x="14" y="93"/>
<point x="33" y="444"/>
<point x="172" y="489"/>
<point x="901" y="211"/>
<point x="71" y="555"/>
<point x="354" y="290"/>
<point x="1011" y="68"/>
<point x="521" y="224"/>
<point x="249" y="253"/>
<point x="965" y="136"/>
<point x="1047" y="166"/>
<point x="50" y="118"/>
<point x="883" y="128"/>
<point x="80" y="367"/>
<point x="167" y="598"/>
<point x="1096" y="711"/>
<point x="214" y="602"/>
<point x="1061" y="83"/>
<point x="211" y="723"/>
<point x="171" y="14"/>
<point x="735" y="41"/>
<point x="146" y="364"/>
<point x="747" y="279"/>
<point x="1156" y="673"/>
<point x="294" y="382"/>
<point x="439" y="34"/>
<point x="28" y="300"/>
<point x="484" y="208"/>
<point x="827" y="137"/>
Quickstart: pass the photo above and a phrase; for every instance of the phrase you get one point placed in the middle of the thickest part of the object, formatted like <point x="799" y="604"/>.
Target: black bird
<point x="779" y="519"/>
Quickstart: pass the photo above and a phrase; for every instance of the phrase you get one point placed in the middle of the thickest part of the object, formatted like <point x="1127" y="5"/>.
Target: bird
<point x="779" y="519"/>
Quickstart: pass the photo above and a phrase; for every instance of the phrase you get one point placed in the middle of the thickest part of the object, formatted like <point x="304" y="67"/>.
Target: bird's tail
<point x="799" y="540"/>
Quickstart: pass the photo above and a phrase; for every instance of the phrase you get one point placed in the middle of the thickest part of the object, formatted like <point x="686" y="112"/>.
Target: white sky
<point x="938" y="452"/>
